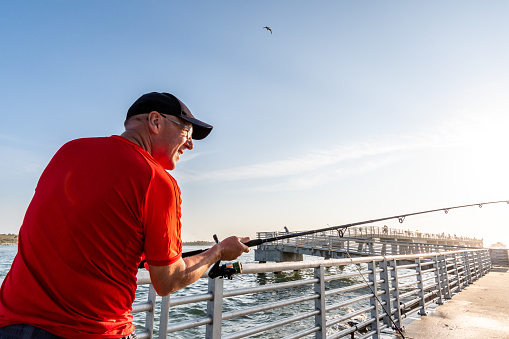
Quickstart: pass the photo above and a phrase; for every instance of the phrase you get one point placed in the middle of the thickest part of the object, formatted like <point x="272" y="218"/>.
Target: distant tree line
<point x="197" y="243"/>
<point x="13" y="239"/>
<point x="8" y="238"/>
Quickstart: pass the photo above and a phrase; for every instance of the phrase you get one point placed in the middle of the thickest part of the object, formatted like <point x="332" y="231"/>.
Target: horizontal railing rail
<point x="322" y="299"/>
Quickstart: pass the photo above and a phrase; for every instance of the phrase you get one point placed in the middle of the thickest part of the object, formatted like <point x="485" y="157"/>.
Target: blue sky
<point x="349" y="111"/>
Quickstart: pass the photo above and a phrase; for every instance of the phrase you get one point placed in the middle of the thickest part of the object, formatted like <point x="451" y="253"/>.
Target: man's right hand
<point x="233" y="247"/>
<point x="169" y="278"/>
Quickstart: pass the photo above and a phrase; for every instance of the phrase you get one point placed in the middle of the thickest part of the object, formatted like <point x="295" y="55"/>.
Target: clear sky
<point x="349" y="111"/>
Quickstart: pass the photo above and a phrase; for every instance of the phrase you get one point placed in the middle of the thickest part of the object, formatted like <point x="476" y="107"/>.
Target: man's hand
<point x="232" y="247"/>
<point x="167" y="279"/>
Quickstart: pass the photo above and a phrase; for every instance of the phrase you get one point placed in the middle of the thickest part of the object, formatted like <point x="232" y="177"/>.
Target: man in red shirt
<point x="99" y="206"/>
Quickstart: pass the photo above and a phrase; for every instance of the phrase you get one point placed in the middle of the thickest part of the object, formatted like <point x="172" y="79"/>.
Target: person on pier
<point x="100" y="205"/>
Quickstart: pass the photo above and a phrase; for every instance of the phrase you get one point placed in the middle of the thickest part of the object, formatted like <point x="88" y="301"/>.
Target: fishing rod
<point x="228" y="270"/>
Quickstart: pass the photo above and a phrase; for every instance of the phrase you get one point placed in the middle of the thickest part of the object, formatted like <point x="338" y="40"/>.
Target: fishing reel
<point x="227" y="270"/>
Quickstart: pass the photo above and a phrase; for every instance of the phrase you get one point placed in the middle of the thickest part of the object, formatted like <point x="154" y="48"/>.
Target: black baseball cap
<point x="166" y="103"/>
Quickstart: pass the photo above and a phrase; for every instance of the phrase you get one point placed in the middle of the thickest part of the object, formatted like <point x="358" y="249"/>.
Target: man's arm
<point x="185" y="271"/>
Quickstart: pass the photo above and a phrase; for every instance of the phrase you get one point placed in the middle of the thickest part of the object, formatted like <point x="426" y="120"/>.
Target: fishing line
<point x="376" y="296"/>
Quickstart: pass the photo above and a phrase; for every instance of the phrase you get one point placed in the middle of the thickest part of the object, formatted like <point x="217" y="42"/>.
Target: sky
<point x="348" y="111"/>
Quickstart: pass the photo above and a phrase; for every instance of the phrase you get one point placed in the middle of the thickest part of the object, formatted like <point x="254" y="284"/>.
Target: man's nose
<point x="189" y="144"/>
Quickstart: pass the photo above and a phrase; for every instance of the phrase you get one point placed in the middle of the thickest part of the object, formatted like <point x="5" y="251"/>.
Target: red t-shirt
<point x="98" y="206"/>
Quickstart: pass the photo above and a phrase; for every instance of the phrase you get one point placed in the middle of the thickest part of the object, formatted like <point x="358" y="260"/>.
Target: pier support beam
<point x="277" y="256"/>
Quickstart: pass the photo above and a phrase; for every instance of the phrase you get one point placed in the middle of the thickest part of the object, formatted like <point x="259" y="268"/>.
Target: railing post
<point x="215" y="309"/>
<point x="320" y="318"/>
<point x="482" y="254"/>
<point x="438" y="278"/>
<point x="487" y="258"/>
<point x="394" y="247"/>
<point x="397" y="313"/>
<point x="479" y="265"/>
<point x="375" y="313"/>
<point x="468" y="277"/>
<point x="474" y="266"/>
<point x="149" y="318"/>
<point x="483" y="263"/>
<point x="456" y="271"/>
<point x="361" y="245"/>
<point x="446" y="278"/>
<point x="386" y="287"/>
<point x="164" y="318"/>
<point x="420" y="286"/>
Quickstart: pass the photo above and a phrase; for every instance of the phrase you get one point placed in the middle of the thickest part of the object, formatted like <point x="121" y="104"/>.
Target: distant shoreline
<point x="197" y="243"/>
<point x="192" y="243"/>
<point x="12" y="239"/>
<point x="8" y="239"/>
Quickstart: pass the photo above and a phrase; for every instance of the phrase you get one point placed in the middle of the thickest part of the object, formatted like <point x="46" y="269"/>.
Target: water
<point x="197" y="310"/>
<point x="7" y="254"/>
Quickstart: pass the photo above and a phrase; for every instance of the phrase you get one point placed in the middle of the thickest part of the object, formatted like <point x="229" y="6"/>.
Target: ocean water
<point x="7" y="254"/>
<point x="197" y="310"/>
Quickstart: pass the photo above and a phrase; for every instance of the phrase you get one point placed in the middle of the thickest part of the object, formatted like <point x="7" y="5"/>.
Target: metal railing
<point x="321" y="299"/>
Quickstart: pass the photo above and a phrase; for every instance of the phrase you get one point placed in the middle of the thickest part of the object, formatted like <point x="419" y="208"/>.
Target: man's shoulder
<point x="108" y="151"/>
<point x="106" y="144"/>
<point x="119" y="153"/>
<point x="89" y="142"/>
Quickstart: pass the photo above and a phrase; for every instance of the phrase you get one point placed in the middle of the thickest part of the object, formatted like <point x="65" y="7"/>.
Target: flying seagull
<point x="268" y="29"/>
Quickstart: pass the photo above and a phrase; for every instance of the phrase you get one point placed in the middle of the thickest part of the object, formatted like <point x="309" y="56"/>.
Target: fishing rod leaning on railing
<point x="230" y="269"/>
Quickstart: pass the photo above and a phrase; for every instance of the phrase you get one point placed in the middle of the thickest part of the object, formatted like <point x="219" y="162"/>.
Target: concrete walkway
<point x="481" y="310"/>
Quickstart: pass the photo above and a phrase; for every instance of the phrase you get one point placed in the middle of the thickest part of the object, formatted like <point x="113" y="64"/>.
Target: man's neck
<point x="137" y="138"/>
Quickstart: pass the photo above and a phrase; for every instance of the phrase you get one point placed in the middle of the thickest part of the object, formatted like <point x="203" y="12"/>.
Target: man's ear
<point x="154" y="122"/>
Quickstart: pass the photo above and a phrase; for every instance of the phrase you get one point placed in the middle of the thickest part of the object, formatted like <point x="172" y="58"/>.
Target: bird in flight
<point x="268" y="29"/>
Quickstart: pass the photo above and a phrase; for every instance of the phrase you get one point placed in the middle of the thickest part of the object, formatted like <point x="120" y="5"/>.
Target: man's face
<point x="172" y="141"/>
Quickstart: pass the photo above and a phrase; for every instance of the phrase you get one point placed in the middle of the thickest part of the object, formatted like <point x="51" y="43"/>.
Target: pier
<point x="359" y="241"/>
